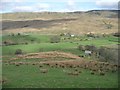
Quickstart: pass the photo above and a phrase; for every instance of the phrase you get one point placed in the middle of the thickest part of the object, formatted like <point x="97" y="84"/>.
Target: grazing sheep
<point x="43" y="70"/>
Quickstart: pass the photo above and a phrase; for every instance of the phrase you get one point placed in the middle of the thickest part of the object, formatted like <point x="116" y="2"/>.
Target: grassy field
<point x="42" y="43"/>
<point x="30" y="76"/>
<point x="42" y="50"/>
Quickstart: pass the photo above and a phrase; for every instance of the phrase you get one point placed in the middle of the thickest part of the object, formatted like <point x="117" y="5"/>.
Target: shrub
<point x="62" y="34"/>
<point x="19" y="34"/>
<point x="9" y="43"/>
<point x="32" y="40"/>
<point x="55" y="39"/>
<point x="5" y="43"/>
<point x="81" y="47"/>
<point x="108" y="54"/>
<point x="91" y="47"/>
<point x="90" y="35"/>
<point x="13" y="34"/>
<point x="26" y="43"/>
<point x="18" y="51"/>
<point x="117" y="34"/>
<point x="108" y="25"/>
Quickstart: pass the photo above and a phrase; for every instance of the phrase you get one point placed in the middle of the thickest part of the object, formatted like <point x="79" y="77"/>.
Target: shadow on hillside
<point x="32" y="23"/>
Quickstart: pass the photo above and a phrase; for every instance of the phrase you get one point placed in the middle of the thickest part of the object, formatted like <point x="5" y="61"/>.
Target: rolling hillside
<point x="56" y="22"/>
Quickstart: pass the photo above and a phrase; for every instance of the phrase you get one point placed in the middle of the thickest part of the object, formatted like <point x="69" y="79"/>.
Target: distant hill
<point x="77" y="22"/>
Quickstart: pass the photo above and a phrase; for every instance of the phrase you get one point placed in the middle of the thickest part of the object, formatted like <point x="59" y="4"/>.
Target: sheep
<point x="43" y="70"/>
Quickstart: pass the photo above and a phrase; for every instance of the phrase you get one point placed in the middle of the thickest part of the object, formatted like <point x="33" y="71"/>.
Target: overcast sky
<point x="56" y="5"/>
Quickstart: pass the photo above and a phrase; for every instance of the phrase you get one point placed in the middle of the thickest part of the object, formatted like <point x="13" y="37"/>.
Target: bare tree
<point x="108" y="24"/>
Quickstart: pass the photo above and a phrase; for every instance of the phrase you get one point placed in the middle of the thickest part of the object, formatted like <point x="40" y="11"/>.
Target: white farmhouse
<point x="72" y="35"/>
<point x="87" y="52"/>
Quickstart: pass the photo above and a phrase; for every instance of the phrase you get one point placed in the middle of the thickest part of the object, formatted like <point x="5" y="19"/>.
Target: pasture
<point x="43" y="64"/>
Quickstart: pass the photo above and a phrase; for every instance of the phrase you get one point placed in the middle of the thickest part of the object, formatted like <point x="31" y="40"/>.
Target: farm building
<point x="87" y="52"/>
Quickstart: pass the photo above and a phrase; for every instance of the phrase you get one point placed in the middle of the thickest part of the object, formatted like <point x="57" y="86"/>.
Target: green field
<point x="42" y="43"/>
<point x="29" y="76"/>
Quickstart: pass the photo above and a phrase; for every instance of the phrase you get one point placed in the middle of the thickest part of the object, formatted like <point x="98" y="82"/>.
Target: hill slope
<point x="54" y="22"/>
